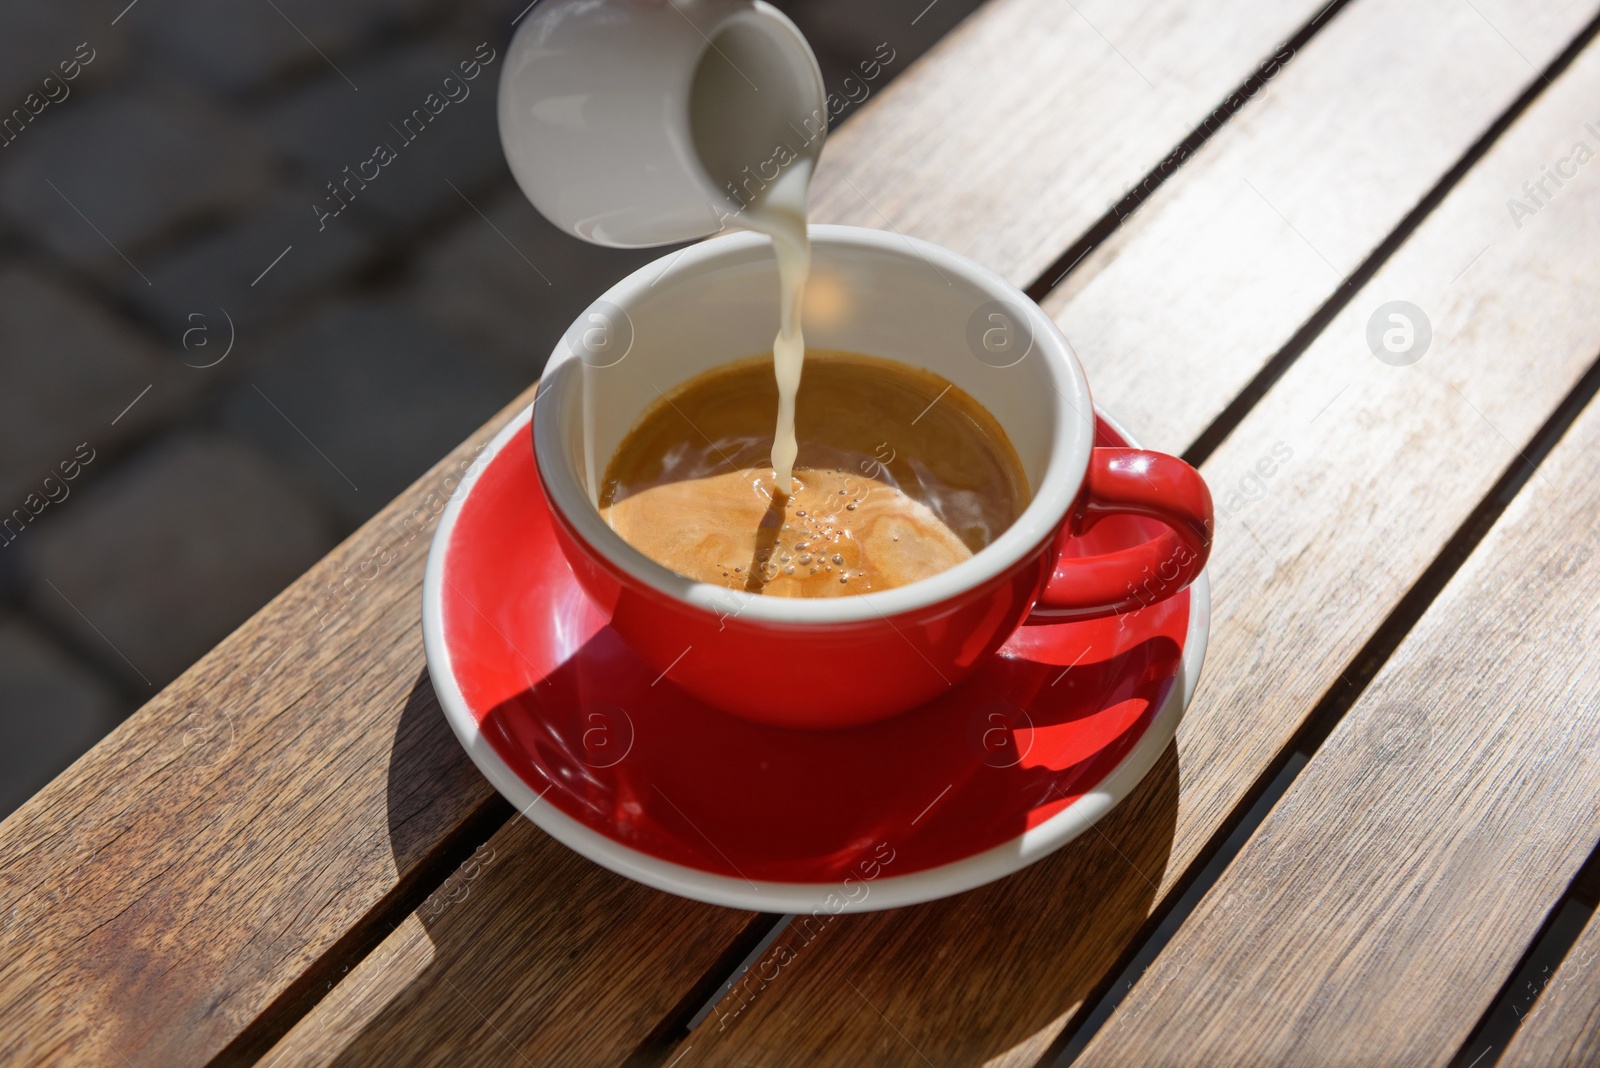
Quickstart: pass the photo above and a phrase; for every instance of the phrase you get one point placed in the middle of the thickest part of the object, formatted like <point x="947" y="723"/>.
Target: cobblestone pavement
<point x="206" y="383"/>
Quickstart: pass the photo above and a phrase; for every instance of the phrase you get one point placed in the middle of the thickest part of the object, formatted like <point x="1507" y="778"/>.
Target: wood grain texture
<point x="1335" y="494"/>
<point x="1289" y="198"/>
<point x="1379" y="908"/>
<point x="496" y="969"/>
<point x="1020" y="129"/>
<point x="191" y="867"/>
<point x="1563" y="1027"/>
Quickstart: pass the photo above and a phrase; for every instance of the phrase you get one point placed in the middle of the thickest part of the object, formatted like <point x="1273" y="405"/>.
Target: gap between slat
<point x="1157" y="176"/>
<point x="1278" y="365"/>
<point x="697" y="1002"/>
<point x="307" y="991"/>
<point x="1516" y="1000"/>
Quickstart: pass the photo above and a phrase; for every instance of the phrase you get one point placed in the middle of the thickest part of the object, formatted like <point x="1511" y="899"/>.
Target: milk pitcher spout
<point x="633" y="123"/>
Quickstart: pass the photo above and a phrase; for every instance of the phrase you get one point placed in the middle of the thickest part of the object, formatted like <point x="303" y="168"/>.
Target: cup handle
<point x="1130" y="482"/>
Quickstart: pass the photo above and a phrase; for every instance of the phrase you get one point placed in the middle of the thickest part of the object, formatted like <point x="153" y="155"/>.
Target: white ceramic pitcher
<point x="646" y="122"/>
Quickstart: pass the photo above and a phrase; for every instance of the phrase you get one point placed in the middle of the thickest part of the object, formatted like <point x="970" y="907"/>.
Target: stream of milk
<point x="780" y="213"/>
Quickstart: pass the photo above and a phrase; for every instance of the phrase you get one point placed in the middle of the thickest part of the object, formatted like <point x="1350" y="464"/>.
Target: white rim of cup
<point x="1064" y="471"/>
<point x="889" y="891"/>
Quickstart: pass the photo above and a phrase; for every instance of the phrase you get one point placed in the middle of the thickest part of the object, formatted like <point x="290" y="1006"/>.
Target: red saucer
<point x="594" y="732"/>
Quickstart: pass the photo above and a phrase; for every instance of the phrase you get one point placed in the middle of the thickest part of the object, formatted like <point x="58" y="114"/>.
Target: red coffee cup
<point x="837" y="662"/>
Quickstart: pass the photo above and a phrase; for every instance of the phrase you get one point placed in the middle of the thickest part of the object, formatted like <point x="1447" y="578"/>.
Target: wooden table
<point x="1379" y="804"/>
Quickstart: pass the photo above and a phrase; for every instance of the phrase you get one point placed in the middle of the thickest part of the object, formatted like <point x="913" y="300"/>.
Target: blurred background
<point x="205" y="385"/>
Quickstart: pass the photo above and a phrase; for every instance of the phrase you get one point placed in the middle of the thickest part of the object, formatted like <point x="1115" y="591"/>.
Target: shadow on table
<point x="435" y="792"/>
<point x="507" y="960"/>
<point x="967" y="979"/>
<point x="516" y="933"/>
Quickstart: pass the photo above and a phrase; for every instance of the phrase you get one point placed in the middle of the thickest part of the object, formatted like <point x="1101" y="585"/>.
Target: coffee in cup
<point x="899" y="475"/>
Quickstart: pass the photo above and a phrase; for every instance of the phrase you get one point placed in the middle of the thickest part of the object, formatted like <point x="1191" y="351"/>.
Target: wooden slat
<point x="1289" y="199"/>
<point x="1424" y="844"/>
<point x="1383" y="464"/>
<point x="187" y="870"/>
<point x="1214" y="48"/>
<point x="1023" y="127"/>
<point x="1563" y="1026"/>
<point x="457" y="983"/>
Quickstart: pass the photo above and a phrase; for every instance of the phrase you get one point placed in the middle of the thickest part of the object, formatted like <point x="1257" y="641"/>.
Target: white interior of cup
<point x="871" y="292"/>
